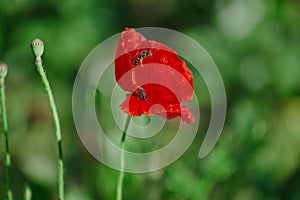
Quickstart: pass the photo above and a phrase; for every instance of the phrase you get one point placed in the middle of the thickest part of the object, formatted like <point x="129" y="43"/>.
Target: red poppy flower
<point x="157" y="79"/>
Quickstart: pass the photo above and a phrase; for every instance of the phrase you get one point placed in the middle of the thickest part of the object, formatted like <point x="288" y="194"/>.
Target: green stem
<point x="27" y="193"/>
<point x="5" y="127"/>
<point x="122" y="161"/>
<point x="57" y="127"/>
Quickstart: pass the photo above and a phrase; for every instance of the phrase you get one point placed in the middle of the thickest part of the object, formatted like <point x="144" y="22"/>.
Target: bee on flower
<point x="166" y="80"/>
<point x="139" y="58"/>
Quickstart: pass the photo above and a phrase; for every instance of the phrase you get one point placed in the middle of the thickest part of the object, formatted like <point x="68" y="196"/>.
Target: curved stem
<point x="122" y="161"/>
<point x="57" y="127"/>
<point x="5" y="127"/>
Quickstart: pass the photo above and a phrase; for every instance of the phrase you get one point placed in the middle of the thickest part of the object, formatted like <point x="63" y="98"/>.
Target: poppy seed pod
<point x="37" y="46"/>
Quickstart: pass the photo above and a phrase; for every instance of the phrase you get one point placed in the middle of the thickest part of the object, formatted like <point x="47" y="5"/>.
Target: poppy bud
<point x="37" y="46"/>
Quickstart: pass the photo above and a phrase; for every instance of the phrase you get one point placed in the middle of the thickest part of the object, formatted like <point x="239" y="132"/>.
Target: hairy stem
<point x="5" y="127"/>
<point x="57" y="127"/>
<point x="122" y="161"/>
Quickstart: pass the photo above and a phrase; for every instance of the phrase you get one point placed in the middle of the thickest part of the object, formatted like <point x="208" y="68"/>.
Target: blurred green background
<point x="255" y="44"/>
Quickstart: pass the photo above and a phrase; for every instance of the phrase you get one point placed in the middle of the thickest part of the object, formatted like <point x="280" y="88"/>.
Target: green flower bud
<point x="3" y="70"/>
<point x="37" y="47"/>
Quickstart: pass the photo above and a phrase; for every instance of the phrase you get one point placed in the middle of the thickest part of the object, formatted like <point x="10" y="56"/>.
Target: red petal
<point x="160" y="101"/>
<point x="131" y="44"/>
<point x="187" y="115"/>
<point x="163" y="75"/>
<point x="165" y="78"/>
<point x="129" y="41"/>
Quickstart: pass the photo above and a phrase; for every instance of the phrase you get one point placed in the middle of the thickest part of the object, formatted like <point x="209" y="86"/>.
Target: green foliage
<point x="256" y="47"/>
